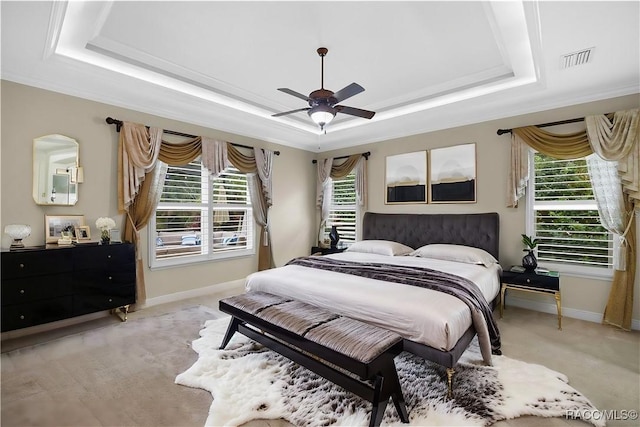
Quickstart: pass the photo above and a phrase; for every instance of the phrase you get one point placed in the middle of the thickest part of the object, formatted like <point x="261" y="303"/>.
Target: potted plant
<point x="529" y="261"/>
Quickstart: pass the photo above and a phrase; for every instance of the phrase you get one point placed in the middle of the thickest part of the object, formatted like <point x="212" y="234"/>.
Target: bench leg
<point x="396" y="394"/>
<point x="379" y="404"/>
<point x="231" y="329"/>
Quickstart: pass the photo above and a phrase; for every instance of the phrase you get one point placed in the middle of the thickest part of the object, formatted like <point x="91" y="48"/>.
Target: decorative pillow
<point x="381" y="247"/>
<point x="458" y="253"/>
<point x="189" y="240"/>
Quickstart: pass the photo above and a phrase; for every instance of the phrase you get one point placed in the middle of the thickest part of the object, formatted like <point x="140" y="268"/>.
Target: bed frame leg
<point x="450" y="372"/>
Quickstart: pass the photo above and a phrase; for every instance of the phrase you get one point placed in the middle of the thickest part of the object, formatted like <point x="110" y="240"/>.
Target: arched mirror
<point x="55" y="170"/>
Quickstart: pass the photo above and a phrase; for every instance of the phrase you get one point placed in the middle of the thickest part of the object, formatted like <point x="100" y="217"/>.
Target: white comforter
<point x="421" y="315"/>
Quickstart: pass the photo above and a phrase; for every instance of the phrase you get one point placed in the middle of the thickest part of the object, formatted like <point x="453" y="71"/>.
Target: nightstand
<point x="326" y="251"/>
<point x="542" y="283"/>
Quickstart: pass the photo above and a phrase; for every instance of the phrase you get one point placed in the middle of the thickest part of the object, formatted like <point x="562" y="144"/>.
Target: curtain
<point x="140" y="181"/>
<point x="260" y="185"/>
<point x="328" y="169"/>
<point x="323" y="193"/>
<point x="518" y="172"/>
<point x="610" y="200"/>
<point x="138" y="216"/>
<point x="568" y="146"/>
<point x="214" y="156"/>
<point x="617" y="140"/>
<point x="612" y="139"/>
<point x="138" y="150"/>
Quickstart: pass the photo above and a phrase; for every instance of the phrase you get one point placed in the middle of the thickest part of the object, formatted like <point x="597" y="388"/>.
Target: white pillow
<point x="381" y="247"/>
<point x="458" y="253"/>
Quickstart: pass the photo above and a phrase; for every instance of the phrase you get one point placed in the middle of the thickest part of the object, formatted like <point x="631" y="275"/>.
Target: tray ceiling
<point x="424" y="65"/>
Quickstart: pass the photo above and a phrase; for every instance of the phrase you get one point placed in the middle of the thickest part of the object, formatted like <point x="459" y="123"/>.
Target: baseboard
<point x="193" y="293"/>
<point x="573" y="313"/>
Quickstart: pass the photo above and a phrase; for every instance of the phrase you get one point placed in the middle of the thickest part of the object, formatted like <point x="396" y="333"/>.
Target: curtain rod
<point x="118" y="124"/>
<point x="365" y="155"/>
<point x="544" y="125"/>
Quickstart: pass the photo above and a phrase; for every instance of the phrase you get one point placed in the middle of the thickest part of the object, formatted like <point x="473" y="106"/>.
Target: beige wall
<point x="28" y="113"/>
<point x="581" y="297"/>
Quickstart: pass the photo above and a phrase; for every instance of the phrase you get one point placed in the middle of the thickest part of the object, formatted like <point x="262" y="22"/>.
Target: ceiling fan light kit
<point x="323" y="102"/>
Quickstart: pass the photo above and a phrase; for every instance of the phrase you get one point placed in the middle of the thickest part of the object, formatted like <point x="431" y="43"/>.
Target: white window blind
<point x="565" y="215"/>
<point x="199" y="218"/>
<point x="343" y="209"/>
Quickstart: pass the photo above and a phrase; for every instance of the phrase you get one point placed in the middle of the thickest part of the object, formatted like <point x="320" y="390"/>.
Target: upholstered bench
<point x="355" y="355"/>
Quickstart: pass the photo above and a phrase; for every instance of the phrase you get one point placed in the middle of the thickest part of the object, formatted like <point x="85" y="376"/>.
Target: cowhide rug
<point x="248" y="381"/>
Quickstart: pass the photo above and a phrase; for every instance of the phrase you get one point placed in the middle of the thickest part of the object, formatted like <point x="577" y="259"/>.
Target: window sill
<point x="594" y="273"/>
<point x="190" y="260"/>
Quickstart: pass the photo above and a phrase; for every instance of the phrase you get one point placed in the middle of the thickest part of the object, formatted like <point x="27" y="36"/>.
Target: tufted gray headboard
<point x="480" y="230"/>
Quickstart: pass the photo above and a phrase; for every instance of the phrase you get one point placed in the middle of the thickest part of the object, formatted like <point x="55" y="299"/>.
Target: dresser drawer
<point x="18" y="291"/>
<point x="103" y="256"/>
<point x="102" y="280"/>
<point x="38" y="263"/>
<point x="36" y="313"/>
<point x="90" y="303"/>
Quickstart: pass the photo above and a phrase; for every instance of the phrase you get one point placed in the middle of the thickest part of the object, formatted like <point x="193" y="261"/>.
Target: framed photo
<point x="406" y="178"/>
<point x="54" y="225"/>
<point x="83" y="232"/>
<point x="115" y="236"/>
<point x="453" y="174"/>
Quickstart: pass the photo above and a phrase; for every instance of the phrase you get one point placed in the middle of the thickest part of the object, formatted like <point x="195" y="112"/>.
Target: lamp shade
<point x="322" y="114"/>
<point x="17" y="232"/>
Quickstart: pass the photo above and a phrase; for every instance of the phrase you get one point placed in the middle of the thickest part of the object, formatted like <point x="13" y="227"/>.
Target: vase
<point x="529" y="261"/>
<point x="105" y="238"/>
<point x="334" y="236"/>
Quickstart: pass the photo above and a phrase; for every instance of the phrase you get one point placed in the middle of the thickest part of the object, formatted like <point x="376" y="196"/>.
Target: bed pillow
<point x="380" y="247"/>
<point x="458" y="253"/>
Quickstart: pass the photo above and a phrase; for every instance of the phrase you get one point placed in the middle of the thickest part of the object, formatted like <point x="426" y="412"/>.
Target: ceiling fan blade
<point x="294" y="93"/>
<point x="289" y="112"/>
<point x="348" y="92"/>
<point x="365" y="114"/>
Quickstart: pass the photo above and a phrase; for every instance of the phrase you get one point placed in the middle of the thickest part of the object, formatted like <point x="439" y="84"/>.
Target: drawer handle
<point x="21" y="265"/>
<point x="528" y="280"/>
<point x="22" y="291"/>
<point x="110" y="299"/>
<point x="110" y="278"/>
<point x="22" y="317"/>
<point x="108" y="256"/>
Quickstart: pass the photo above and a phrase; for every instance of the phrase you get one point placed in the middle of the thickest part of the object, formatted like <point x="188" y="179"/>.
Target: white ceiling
<point x="425" y="65"/>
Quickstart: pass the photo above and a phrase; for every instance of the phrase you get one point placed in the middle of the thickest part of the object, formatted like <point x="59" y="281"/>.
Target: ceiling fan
<point x="322" y="102"/>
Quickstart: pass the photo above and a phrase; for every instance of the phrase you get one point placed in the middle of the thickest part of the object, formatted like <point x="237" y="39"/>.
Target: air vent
<point x="574" y="59"/>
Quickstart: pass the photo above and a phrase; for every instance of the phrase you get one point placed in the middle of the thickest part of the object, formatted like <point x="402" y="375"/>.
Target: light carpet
<point x="248" y="381"/>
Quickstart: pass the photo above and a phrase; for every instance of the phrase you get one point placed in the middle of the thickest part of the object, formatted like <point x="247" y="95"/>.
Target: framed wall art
<point x="54" y="225"/>
<point x="452" y="176"/>
<point x="406" y="178"/>
<point x="83" y="232"/>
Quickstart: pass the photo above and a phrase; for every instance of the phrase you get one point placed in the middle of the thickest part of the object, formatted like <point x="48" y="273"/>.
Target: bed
<point x="434" y="325"/>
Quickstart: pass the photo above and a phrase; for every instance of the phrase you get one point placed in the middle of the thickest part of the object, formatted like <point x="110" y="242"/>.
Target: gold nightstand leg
<point x="559" y="307"/>
<point x="502" y="291"/>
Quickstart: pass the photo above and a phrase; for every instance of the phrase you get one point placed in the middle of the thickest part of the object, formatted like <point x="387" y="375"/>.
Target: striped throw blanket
<point x="459" y="287"/>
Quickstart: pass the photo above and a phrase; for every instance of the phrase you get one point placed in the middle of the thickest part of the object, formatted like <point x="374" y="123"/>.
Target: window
<point x="564" y="216"/>
<point x="343" y="210"/>
<point x="199" y="218"/>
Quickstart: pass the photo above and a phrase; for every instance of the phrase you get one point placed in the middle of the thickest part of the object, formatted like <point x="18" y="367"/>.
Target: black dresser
<point x="41" y="285"/>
